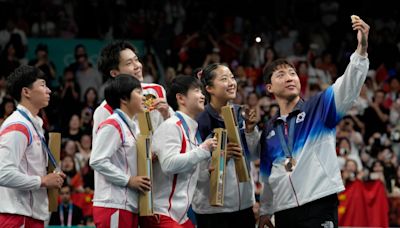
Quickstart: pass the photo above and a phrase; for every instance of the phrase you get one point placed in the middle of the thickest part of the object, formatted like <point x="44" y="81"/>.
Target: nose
<point x="137" y="64"/>
<point x="232" y="81"/>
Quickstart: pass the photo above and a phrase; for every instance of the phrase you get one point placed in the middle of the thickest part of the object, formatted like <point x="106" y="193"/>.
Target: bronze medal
<point x="290" y="163"/>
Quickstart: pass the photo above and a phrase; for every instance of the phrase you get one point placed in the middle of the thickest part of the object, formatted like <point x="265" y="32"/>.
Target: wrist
<point x="42" y="184"/>
<point x="167" y="115"/>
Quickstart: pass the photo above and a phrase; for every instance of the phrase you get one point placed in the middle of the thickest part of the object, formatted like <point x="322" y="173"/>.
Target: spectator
<point x="74" y="178"/>
<point x="7" y="107"/>
<point x="67" y="214"/>
<point x="87" y="76"/>
<point x="43" y="62"/>
<point x="70" y="96"/>
<point x="43" y="27"/>
<point x="73" y="131"/>
<point x="376" y="113"/>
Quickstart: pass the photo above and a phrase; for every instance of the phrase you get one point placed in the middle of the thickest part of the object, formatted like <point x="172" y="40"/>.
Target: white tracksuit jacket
<point x="22" y="163"/>
<point x="177" y="169"/>
<point x="114" y="160"/>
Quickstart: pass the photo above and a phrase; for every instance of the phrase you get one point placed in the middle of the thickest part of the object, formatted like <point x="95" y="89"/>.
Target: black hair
<point x="120" y="88"/>
<point x="23" y="76"/>
<point x="271" y="68"/>
<point x="181" y="84"/>
<point x="207" y="77"/>
<point x="3" y="105"/>
<point x="110" y="55"/>
<point x="41" y="47"/>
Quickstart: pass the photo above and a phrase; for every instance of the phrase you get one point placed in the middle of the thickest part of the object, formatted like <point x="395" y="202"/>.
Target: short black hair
<point x="271" y="68"/>
<point x="41" y="47"/>
<point x="23" y="76"/>
<point x="120" y="88"/>
<point x="181" y="84"/>
<point x="110" y="55"/>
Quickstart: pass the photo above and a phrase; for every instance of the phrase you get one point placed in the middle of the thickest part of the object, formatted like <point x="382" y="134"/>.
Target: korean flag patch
<point x="300" y="117"/>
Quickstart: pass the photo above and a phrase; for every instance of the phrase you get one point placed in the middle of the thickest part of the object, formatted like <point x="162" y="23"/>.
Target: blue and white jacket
<point x="317" y="172"/>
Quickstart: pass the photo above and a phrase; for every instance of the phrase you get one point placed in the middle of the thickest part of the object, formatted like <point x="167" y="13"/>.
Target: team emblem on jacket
<point x="271" y="134"/>
<point x="300" y="117"/>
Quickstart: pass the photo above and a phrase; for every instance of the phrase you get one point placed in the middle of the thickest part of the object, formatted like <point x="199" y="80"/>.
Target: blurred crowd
<point x="183" y="36"/>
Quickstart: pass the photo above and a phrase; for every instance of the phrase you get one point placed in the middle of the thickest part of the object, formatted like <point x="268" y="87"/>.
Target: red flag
<point x="363" y="204"/>
<point x="377" y="202"/>
<point x="84" y="201"/>
<point x="351" y="203"/>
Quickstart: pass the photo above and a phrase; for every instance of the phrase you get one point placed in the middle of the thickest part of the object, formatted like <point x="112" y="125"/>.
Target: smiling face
<point x="223" y="86"/>
<point x="285" y="83"/>
<point x="193" y="101"/>
<point x="129" y="64"/>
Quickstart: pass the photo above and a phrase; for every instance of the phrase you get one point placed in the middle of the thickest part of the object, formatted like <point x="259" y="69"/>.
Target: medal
<point x="290" y="163"/>
<point x="149" y="100"/>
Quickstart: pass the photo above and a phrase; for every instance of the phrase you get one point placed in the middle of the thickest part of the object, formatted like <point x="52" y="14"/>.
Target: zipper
<point x="187" y="197"/>
<point x="294" y="191"/>
<point x="238" y="185"/>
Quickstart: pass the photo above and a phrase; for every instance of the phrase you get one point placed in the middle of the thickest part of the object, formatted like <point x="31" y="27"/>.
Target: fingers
<point x="236" y="154"/>
<point x="62" y="175"/>
<point x="213" y="144"/>
<point x="159" y="101"/>
<point x="53" y="180"/>
<point x="233" y="147"/>
<point x="144" y="184"/>
<point x="233" y="150"/>
<point x="359" y="24"/>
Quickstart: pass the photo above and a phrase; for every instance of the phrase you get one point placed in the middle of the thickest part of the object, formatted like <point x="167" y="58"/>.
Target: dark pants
<point x="243" y="219"/>
<point x="319" y="213"/>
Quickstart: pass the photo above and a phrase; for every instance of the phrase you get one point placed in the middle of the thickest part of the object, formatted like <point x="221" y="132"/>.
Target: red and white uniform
<point x="114" y="160"/>
<point x="176" y="172"/>
<point x="22" y="162"/>
<point x="104" y="110"/>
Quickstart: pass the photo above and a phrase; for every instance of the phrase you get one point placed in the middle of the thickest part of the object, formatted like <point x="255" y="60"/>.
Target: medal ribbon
<point x="43" y="141"/>
<point x="287" y="146"/>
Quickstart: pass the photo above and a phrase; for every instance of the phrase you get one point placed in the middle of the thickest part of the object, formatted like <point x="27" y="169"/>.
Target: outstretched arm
<point x="362" y="34"/>
<point x="347" y="87"/>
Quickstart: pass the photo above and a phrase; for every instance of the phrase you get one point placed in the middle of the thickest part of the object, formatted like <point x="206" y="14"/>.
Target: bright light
<point x="258" y="39"/>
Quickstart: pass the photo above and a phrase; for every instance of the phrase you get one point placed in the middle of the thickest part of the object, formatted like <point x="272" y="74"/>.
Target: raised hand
<point x="362" y="34"/>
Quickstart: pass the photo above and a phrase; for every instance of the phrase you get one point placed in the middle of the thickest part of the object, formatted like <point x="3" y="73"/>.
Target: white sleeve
<point x="266" y="201"/>
<point x="100" y="114"/>
<point x="105" y="146"/>
<point x="347" y="87"/>
<point x="167" y="145"/>
<point x="12" y="148"/>
<point x="253" y="143"/>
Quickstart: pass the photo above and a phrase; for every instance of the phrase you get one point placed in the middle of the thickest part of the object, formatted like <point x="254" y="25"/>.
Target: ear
<point x="123" y="101"/>
<point x="114" y="73"/>
<point x="180" y="99"/>
<point x="268" y="87"/>
<point x="208" y="89"/>
<point x="25" y="92"/>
